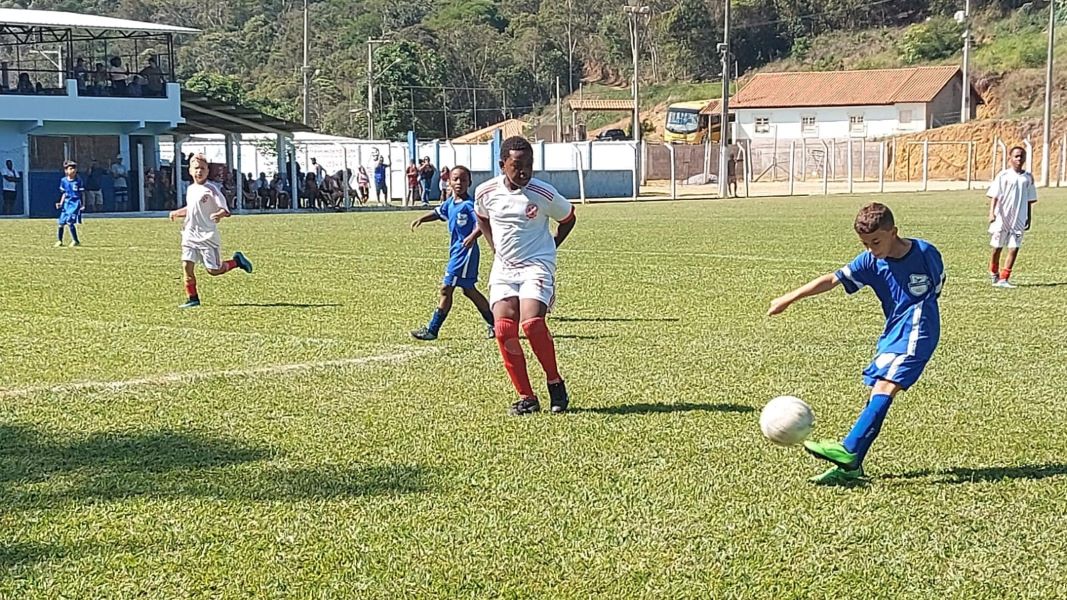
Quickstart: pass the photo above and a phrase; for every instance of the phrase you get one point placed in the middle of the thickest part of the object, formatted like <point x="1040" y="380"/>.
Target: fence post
<point x="882" y="148"/>
<point x="863" y="160"/>
<point x="970" y="157"/>
<point x="926" y="163"/>
<point x="1063" y="160"/>
<point x="848" y="169"/>
<point x="825" y="167"/>
<point x="581" y="173"/>
<point x="744" y="156"/>
<point x="674" y="179"/>
<point x="792" y="160"/>
<point x="803" y="159"/>
<point x="636" y="174"/>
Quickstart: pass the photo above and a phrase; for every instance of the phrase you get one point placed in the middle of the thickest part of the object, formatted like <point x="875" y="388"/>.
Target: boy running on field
<point x="1011" y="198"/>
<point x="462" y="270"/>
<point x="204" y="207"/>
<point x="906" y="276"/>
<point x="513" y="214"/>
<point x="71" y="203"/>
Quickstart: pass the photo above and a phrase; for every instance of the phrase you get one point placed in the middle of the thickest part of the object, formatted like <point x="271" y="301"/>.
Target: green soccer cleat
<point x="839" y="476"/>
<point x="832" y="451"/>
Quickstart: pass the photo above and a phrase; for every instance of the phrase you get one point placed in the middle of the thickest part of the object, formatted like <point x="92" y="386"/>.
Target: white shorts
<point x="1006" y="238"/>
<point x="535" y="282"/>
<point x="209" y="256"/>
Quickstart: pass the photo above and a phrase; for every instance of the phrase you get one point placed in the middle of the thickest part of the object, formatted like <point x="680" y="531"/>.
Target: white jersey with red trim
<point x="520" y="221"/>
<point x="201" y="201"/>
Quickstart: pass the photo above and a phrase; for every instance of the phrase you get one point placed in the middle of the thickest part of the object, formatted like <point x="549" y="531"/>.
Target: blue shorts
<point x="901" y="369"/>
<point x="454" y="280"/>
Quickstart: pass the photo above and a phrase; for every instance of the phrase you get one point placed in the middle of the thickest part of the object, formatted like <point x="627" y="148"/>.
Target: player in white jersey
<point x="204" y="207"/>
<point x="1011" y="196"/>
<point x="513" y="213"/>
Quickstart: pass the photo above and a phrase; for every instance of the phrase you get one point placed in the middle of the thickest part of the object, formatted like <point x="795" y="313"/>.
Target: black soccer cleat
<point x="424" y="334"/>
<point x="557" y="392"/>
<point x="524" y="406"/>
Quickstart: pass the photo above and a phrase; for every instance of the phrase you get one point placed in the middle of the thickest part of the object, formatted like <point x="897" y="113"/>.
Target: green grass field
<point x="288" y="439"/>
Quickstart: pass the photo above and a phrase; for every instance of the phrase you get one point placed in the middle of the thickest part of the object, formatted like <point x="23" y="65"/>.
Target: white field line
<point x="197" y="376"/>
<point x="112" y="325"/>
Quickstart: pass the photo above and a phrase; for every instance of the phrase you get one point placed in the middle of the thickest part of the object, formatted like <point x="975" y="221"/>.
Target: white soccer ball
<point x="786" y="420"/>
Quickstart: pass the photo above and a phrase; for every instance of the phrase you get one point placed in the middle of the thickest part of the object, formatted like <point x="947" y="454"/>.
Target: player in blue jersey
<point x="462" y="270"/>
<point x="71" y="203"/>
<point x="906" y="276"/>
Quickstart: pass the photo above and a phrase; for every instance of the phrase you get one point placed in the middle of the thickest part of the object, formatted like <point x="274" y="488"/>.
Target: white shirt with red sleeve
<point x="520" y="221"/>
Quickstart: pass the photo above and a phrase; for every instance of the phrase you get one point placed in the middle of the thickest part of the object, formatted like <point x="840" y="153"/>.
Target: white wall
<point x="831" y="122"/>
<point x="82" y="109"/>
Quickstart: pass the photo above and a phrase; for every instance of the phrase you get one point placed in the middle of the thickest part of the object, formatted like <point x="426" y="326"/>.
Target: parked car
<point x="612" y="135"/>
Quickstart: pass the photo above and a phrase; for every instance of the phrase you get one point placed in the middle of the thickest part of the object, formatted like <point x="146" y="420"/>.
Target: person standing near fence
<point x="11" y="179"/>
<point x="1011" y="198"/>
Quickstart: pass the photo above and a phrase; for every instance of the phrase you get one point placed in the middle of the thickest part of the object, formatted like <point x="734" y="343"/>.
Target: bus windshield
<point x="683" y="121"/>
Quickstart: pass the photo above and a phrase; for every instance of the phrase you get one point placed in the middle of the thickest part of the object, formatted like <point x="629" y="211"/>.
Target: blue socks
<point x="73" y="234"/>
<point x="867" y="426"/>
<point x="436" y="321"/>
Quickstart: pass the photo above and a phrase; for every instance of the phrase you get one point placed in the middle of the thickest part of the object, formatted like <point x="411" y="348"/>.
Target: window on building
<point x="855" y="123"/>
<point x="763" y="125"/>
<point x="807" y="124"/>
<point x="905" y="117"/>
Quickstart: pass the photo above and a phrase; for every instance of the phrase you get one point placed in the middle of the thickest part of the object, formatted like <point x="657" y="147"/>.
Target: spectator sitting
<point x="81" y="74"/>
<point x="153" y="78"/>
<point x="117" y="75"/>
<point x="25" y="86"/>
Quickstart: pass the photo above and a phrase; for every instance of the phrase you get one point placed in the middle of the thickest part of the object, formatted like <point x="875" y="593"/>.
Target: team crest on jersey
<point x="918" y="285"/>
<point x="531" y="211"/>
<point x="461" y="219"/>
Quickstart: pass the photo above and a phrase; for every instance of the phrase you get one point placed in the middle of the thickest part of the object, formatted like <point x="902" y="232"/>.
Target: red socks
<point x="228" y="266"/>
<point x="190" y="288"/>
<point x="1005" y="274"/>
<point x="507" y="337"/>
<point x="536" y="331"/>
<point x="994" y="266"/>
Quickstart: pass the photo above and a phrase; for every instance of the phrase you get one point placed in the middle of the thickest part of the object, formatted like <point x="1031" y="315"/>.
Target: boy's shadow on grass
<point x="1042" y="285"/>
<point x="39" y="470"/>
<point x="279" y="305"/>
<point x="616" y="319"/>
<point x="958" y="475"/>
<point x="657" y="408"/>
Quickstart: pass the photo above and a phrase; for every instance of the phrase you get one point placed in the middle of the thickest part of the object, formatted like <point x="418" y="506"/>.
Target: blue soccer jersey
<point x="462" y="270"/>
<point x="71" y="209"/>
<point x="908" y="288"/>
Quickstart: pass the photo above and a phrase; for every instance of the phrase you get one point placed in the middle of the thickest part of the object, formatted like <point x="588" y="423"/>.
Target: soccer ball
<point x="786" y="420"/>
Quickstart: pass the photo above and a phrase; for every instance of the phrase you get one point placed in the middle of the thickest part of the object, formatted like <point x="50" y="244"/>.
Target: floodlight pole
<point x="634" y="12"/>
<point x="724" y="123"/>
<point x="370" y="84"/>
<point x="965" y="103"/>
<point x="1047" y="129"/>
<point x="306" y="69"/>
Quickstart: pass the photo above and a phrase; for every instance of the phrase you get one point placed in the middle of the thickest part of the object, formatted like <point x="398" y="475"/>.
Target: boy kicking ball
<point x="906" y="276"/>
<point x="513" y="213"/>
<point x="204" y="207"/>
<point x="462" y="269"/>
<point x="1011" y="198"/>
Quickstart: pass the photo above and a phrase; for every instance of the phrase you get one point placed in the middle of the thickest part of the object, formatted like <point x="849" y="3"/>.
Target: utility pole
<point x="964" y="17"/>
<point x="724" y="123"/>
<point x="1047" y="130"/>
<point x="370" y="85"/>
<point x="635" y="11"/>
<point x="559" y="114"/>
<point x="306" y="69"/>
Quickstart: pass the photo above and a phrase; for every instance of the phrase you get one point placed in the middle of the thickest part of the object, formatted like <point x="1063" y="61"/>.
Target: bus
<point x="686" y="125"/>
